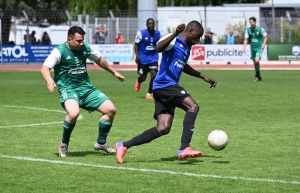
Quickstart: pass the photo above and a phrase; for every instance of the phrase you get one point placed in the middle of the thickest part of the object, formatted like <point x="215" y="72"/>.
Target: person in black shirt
<point x="208" y="36"/>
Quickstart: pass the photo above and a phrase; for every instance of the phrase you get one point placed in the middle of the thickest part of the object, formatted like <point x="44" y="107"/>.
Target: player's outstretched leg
<point x="121" y="151"/>
<point x="188" y="152"/>
<point x="137" y="86"/>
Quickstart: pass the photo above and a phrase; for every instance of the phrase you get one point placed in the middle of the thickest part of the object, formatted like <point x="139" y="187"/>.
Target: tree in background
<point x="55" y="9"/>
<point x="35" y="10"/>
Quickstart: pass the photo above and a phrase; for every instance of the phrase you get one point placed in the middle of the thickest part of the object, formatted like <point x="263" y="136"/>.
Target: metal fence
<point x="283" y="28"/>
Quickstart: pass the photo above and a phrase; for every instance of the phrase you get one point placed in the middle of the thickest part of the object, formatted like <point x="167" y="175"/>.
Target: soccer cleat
<point x="149" y="96"/>
<point x="121" y="151"/>
<point x="105" y="147"/>
<point x="188" y="152"/>
<point x="63" y="150"/>
<point x="257" y="79"/>
<point x="137" y="86"/>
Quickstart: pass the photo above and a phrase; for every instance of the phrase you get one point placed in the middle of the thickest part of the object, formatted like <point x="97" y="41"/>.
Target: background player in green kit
<point x="257" y="37"/>
<point x="75" y="89"/>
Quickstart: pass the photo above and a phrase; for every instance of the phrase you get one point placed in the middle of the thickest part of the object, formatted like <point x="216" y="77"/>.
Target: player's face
<point x="76" y="42"/>
<point x="194" y="36"/>
<point x="150" y="25"/>
<point x="252" y="23"/>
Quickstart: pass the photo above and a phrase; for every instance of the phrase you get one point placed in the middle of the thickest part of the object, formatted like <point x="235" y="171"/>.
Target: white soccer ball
<point x="217" y="140"/>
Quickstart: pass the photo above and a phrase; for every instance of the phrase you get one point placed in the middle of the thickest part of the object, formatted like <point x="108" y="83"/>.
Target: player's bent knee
<point x="194" y="108"/>
<point x="111" y="111"/>
<point x="163" y="129"/>
<point x="73" y="115"/>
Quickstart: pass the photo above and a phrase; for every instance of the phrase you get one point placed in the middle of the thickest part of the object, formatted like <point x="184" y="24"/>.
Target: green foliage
<point x="291" y="33"/>
<point x="260" y="118"/>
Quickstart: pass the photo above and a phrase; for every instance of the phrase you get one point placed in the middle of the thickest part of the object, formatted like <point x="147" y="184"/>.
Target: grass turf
<point x="260" y="118"/>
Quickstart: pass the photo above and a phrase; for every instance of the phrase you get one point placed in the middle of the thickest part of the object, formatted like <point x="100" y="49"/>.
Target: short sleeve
<point x="172" y="43"/>
<point x="138" y="37"/>
<point x="53" y="58"/>
<point x="263" y="32"/>
<point x="95" y="55"/>
<point x="246" y="36"/>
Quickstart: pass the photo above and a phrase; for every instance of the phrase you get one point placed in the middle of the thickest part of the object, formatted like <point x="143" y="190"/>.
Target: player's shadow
<point x="221" y="162"/>
<point x="212" y="156"/>
<point x="85" y="153"/>
<point x="216" y="157"/>
<point x="182" y="161"/>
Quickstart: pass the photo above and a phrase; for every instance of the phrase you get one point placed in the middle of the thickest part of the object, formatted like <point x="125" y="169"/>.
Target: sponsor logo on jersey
<point x="179" y="63"/>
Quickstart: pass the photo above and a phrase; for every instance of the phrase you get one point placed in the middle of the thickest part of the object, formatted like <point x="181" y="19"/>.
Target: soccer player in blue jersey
<point x="75" y="88"/>
<point x="167" y="93"/>
<point x="146" y="55"/>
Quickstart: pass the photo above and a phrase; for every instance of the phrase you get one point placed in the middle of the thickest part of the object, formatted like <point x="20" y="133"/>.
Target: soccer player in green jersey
<point x="76" y="91"/>
<point x="257" y="37"/>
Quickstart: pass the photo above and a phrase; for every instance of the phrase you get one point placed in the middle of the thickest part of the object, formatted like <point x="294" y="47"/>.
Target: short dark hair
<point x="75" y="29"/>
<point x="149" y="19"/>
<point x="252" y="18"/>
<point x="195" y="24"/>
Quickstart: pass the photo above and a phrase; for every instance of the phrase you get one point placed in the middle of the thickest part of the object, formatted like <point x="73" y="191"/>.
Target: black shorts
<point x="167" y="99"/>
<point x="144" y="69"/>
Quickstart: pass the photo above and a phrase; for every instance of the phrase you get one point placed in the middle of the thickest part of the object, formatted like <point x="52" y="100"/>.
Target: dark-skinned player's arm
<point x="163" y="44"/>
<point x="136" y="51"/>
<point x="192" y="72"/>
<point x="103" y="64"/>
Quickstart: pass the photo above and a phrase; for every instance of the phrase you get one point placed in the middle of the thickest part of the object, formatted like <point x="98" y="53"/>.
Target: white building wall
<point x="217" y="18"/>
<point x="58" y="34"/>
<point x="283" y="2"/>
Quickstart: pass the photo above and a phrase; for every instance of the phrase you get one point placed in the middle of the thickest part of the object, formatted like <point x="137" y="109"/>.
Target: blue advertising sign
<point x="26" y="53"/>
<point x="39" y="53"/>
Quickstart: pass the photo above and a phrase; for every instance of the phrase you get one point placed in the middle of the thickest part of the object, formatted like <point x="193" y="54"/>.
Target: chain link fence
<point x="283" y="28"/>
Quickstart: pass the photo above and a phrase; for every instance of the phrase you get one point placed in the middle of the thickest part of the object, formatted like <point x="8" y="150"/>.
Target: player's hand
<point x="51" y="86"/>
<point x="263" y="46"/>
<point x="180" y="29"/>
<point x="244" y="50"/>
<point x="119" y="76"/>
<point x="137" y="59"/>
<point x="211" y="81"/>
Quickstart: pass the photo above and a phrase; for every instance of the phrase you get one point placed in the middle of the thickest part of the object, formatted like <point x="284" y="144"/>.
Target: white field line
<point x="35" y="124"/>
<point x="31" y="125"/>
<point x="150" y="170"/>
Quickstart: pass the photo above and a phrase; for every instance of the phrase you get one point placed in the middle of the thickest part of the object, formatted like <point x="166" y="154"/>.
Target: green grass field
<point x="260" y="118"/>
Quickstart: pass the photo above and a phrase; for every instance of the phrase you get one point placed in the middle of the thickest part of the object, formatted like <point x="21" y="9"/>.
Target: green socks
<point x="68" y="128"/>
<point x="104" y="128"/>
<point x="257" y="72"/>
